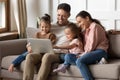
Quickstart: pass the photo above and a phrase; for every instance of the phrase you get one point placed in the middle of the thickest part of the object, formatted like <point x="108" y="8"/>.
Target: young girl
<point x="75" y="46"/>
<point x="44" y="25"/>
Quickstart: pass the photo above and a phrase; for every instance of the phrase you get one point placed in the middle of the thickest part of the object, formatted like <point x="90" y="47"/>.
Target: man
<point x="63" y="13"/>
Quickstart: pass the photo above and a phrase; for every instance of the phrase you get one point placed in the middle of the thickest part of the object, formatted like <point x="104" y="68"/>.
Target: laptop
<point x="40" y="45"/>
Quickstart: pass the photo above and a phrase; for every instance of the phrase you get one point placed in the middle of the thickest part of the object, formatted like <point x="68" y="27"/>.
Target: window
<point x="4" y="15"/>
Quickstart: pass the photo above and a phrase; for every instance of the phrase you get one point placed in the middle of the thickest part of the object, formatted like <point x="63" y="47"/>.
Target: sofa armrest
<point x="114" y="44"/>
<point x="12" y="47"/>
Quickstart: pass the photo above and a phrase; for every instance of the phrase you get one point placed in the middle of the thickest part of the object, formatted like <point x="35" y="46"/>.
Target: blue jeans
<point x="69" y="59"/>
<point x="62" y="55"/>
<point x="19" y="59"/>
<point x="85" y="60"/>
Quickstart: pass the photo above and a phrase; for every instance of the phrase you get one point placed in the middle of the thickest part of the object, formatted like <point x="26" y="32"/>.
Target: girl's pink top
<point x="76" y="49"/>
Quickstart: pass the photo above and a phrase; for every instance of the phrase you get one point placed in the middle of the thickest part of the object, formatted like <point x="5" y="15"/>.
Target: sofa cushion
<point x="114" y="47"/>
<point x="102" y="71"/>
<point x="12" y="47"/>
<point x="70" y="78"/>
<point x="6" y="61"/>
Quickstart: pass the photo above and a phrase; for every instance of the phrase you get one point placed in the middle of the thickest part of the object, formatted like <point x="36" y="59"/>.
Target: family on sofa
<point x="88" y="44"/>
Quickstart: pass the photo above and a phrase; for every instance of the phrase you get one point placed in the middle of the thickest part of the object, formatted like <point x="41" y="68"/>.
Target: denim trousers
<point x="85" y="60"/>
<point x="19" y="59"/>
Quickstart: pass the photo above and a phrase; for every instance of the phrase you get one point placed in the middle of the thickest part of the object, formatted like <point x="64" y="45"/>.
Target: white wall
<point x="107" y="11"/>
<point x="36" y="8"/>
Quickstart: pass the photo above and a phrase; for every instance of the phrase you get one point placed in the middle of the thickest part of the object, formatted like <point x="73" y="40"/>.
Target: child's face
<point x="44" y="27"/>
<point x="69" y="34"/>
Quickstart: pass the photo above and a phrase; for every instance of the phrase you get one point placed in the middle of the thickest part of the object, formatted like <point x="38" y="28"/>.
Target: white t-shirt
<point x="61" y="37"/>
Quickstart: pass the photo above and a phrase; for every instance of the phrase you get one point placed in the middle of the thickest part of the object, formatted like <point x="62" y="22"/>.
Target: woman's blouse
<point x="95" y="38"/>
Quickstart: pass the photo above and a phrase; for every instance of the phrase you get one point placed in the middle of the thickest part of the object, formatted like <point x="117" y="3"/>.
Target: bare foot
<point x="11" y="68"/>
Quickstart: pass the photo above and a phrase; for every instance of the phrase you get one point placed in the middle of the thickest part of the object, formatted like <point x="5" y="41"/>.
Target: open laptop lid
<point x="41" y="45"/>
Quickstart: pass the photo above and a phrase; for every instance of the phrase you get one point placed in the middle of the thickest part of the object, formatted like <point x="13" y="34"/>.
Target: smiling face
<point x="62" y="17"/>
<point x="69" y="34"/>
<point x="82" y="22"/>
<point x="44" y="27"/>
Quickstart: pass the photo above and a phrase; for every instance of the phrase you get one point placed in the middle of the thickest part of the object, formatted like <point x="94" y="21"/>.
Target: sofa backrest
<point x="12" y="47"/>
<point x="114" y="45"/>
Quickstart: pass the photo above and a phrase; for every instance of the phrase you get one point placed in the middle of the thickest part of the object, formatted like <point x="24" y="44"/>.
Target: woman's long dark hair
<point x="84" y="14"/>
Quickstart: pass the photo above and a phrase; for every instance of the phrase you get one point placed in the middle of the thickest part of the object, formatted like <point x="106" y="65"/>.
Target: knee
<point x="47" y="57"/>
<point x="29" y="57"/>
<point x="79" y="62"/>
<point x="68" y="56"/>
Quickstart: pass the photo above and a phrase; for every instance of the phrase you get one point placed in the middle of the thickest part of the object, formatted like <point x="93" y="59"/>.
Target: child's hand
<point x="79" y="55"/>
<point x="29" y="49"/>
<point x="55" y="47"/>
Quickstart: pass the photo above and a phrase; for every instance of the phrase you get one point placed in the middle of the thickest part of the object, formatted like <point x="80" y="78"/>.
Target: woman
<point x="95" y="43"/>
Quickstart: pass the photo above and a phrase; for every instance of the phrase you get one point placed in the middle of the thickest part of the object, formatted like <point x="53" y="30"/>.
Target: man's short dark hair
<point x="66" y="7"/>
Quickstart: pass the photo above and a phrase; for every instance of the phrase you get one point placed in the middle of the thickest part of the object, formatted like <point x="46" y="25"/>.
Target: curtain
<point x="20" y="14"/>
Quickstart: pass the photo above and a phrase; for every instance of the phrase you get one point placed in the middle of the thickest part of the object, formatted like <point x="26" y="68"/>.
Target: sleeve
<point x="94" y="38"/>
<point x="52" y="37"/>
<point x="78" y="43"/>
<point x="75" y="41"/>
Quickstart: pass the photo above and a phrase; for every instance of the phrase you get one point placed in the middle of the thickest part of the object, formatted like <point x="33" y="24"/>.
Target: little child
<point x="75" y="46"/>
<point x="44" y="33"/>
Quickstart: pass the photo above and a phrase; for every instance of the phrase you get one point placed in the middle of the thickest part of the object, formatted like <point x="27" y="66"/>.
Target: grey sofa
<point x="10" y="49"/>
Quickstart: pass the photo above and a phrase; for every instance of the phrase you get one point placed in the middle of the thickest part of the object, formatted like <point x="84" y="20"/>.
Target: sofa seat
<point x="105" y="71"/>
<point x="6" y="61"/>
<point x="98" y="70"/>
<point x="10" y="49"/>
